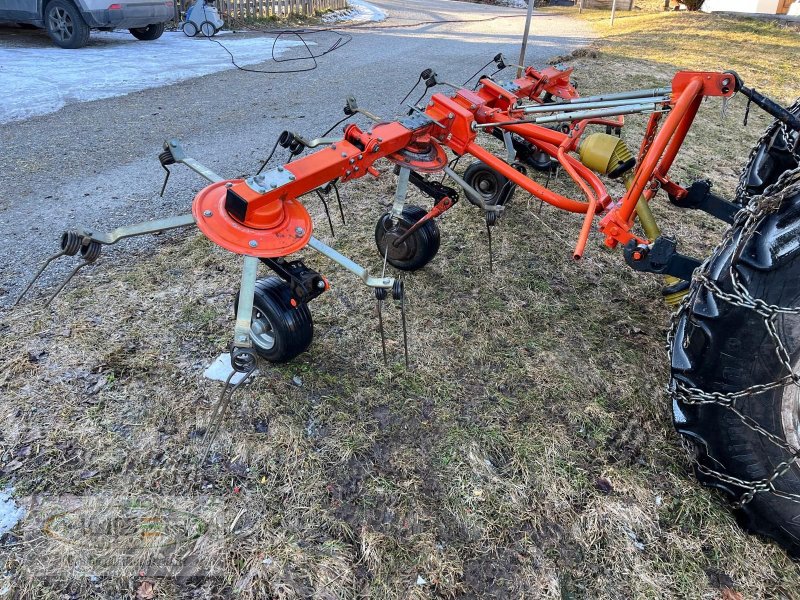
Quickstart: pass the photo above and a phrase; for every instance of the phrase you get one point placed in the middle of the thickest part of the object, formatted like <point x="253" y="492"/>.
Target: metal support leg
<point x="401" y="193"/>
<point x="244" y="312"/>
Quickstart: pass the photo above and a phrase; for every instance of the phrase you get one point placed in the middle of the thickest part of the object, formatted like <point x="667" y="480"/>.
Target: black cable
<point x="342" y="40"/>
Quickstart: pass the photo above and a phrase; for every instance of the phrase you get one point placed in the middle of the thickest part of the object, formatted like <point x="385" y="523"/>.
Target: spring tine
<point x="166" y="179"/>
<point x="339" y="201"/>
<point x="38" y="274"/>
<point x="405" y="330"/>
<point x="489" y="234"/>
<point x="327" y="213"/>
<point x="383" y="334"/>
<point x="67" y="280"/>
<point x="220" y="409"/>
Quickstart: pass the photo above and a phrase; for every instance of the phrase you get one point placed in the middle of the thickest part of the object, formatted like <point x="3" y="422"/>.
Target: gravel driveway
<point x="94" y="163"/>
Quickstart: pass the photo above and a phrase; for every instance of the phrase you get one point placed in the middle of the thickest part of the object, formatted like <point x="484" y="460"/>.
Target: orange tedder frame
<point x="454" y="121"/>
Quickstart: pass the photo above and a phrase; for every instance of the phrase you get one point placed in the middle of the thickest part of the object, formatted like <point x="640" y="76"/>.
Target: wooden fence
<point x="264" y="9"/>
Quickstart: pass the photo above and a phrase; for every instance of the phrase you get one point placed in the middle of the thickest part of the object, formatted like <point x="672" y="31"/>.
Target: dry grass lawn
<point x="529" y="452"/>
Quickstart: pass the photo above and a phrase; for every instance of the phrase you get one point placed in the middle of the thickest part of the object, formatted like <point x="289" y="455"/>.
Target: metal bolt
<point x="321" y="284"/>
<point x="299" y="230"/>
<point x="273" y="185"/>
<point x="360" y="156"/>
<point x="472" y="107"/>
<point x="380" y="139"/>
<point x="451" y="116"/>
<point x="356" y="169"/>
<point x="253" y="243"/>
<point x="347" y="173"/>
<point x="208" y="213"/>
<point x="280" y="169"/>
<point x="352" y="160"/>
<point x="376" y="148"/>
<point x="333" y="147"/>
<point x="229" y="185"/>
<point x="344" y="154"/>
<point x="291" y="177"/>
<point x="369" y="132"/>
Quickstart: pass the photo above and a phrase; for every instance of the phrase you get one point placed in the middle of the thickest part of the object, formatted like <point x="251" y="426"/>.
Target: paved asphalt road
<point x="94" y="163"/>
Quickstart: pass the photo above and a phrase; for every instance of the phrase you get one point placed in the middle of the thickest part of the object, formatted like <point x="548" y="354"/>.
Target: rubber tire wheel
<point x="149" y="33"/>
<point x="416" y="251"/>
<point x="292" y="327"/>
<point x="720" y="347"/>
<point x="80" y="30"/>
<point x="768" y="161"/>
<point x="487" y="182"/>
<point x="208" y="26"/>
<point x="190" y="29"/>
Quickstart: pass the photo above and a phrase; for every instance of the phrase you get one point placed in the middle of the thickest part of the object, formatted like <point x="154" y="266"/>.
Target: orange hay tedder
<point x="735" y="340"/>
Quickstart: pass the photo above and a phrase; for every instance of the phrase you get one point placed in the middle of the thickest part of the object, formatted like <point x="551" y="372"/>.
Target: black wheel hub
<point x="403" y="251"/>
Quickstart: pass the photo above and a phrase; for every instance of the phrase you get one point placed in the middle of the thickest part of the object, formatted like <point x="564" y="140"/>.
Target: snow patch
<point x="10" y="513"/>
<point x="221" y="368"/>
<point x="41" y="80"/>
<point x="358" y="12"/>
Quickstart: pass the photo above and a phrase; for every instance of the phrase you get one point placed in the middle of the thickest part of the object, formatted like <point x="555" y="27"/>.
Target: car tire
<point x="149" y="33"/>
<point x="65" y="25"/>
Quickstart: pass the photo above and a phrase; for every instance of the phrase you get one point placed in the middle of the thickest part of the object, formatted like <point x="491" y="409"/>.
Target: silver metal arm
<point x="552" y="108"/>
<point x="244" y="312"/>
<point x="180" y="156"/>
<point x="144" y="228"/>
<point x="629" y="109"/>
<point x="316" y="141"/>
<point x="646" y="93"/>
<point x="355" y="268"/>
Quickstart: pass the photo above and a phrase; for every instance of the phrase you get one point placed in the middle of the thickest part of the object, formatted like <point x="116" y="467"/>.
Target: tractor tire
<point x="417" y="250"/>
<point x="733" y="356"/>
<point x="149" y="33"/>
<point x="777" y="151"/>
<point x="279" y="331"/>
<point x="65" y="25"/>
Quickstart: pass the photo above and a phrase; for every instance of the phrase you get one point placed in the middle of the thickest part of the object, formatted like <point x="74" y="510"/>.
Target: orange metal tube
<point x="580" y="245"/>
<point x="675" y="121"/>
<point x="524" y="182"/>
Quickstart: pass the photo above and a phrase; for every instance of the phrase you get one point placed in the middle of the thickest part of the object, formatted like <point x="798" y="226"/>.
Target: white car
<point x="68" y="21"/>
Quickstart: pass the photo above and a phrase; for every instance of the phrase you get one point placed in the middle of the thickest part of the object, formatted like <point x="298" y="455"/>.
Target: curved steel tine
<point x="339" y="201"/>
<point x="383" y="335"/>
<point x="327" y="213"/>
<point x="38" y="274"/>
<point x="405" y="331"/>
<point x="67" y="280"/>
<point x="220" y="409"/>
<point x="489" y="236"/>
<point x="166" y="179"/>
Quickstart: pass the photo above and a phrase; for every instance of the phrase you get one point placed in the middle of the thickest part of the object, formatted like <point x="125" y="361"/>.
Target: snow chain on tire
<point x="708" y="410"/>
